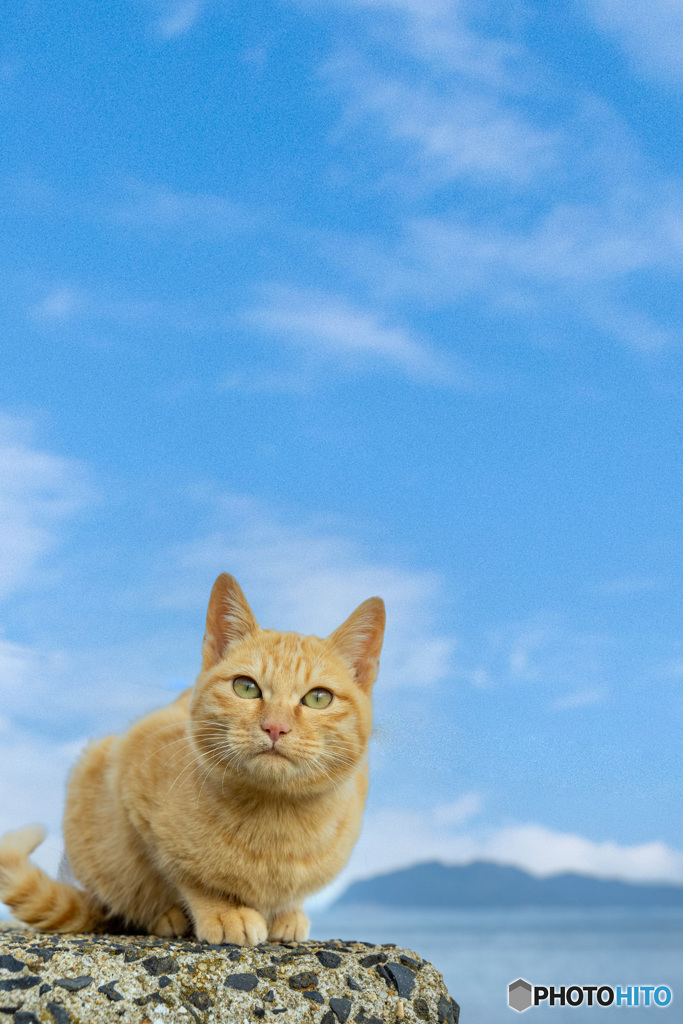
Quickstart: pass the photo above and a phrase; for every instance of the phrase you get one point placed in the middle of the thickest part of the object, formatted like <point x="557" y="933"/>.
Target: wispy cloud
<point x="453" y="131"/>
<point x="461" y="105"/>
<point x="650" y="31"/>
<point x="576" y="257"/>
<point x="584" y="698"/>
<point x="627" y="586"/>
<point x="177" y="18"/>
<point x="66" y="306"/>
<point x="571" y="244"/>
<point x="39" y="492"/>
<point x="67" y="303"/>
<point x="439" y="32"/>
<point x="457" y="99"/>
<point x="329" y="325"/>
<point x="61" y="304"/>
<point x="131" y="204"/>
<point x="567" y="665"/>
<point x="156" y="206"/>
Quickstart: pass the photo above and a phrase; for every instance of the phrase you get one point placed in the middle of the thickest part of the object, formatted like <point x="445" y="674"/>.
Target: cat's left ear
<point x="359" y="640"/>
<point x="228" y="619"/>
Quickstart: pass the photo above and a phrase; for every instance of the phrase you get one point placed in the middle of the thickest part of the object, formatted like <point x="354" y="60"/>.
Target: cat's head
<point x="283" y="710"/>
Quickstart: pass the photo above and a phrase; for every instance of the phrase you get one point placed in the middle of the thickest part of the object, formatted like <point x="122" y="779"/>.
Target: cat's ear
<point x="228" y="619"/>
<point x="359" y="640"/>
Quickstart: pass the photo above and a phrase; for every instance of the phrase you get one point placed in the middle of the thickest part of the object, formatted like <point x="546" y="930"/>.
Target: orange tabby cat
<point x="223" y="811"/>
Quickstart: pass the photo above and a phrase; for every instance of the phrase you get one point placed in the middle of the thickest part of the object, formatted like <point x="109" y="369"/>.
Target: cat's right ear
<point x="359" y="640"/>
<point x="228" y="619"/>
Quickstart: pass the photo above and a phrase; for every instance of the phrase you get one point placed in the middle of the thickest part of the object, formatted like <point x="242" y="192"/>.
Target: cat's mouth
<point x="272" y="752"/>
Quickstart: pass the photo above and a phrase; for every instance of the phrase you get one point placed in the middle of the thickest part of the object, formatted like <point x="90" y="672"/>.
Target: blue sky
<point x="352" y="298"/>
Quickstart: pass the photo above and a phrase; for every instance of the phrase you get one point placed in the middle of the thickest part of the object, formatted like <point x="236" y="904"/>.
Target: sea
<point x="480" y="952"/>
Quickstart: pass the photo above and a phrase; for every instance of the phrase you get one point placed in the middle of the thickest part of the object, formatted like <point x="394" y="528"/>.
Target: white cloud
<point x="259" y="379"/>
<point x="582" y="698"/>
<point x="457" y="108"/>
<point x="627" y="586"/>
<point x="419" y="8"/>
<point x="571" y="244"/>
<point x="323" y="323"/>
<point x="458" y="811"/>
<point x="33" y="773"/>
<point x="67" y="307"/>
<point x="157" y="206"/>
<point x="40" y="491"/>
<point x="546" y="852"/>
<point x="475" y="107"/>
<point x="179" y="18"/>
<point x="575" y="258"/>
<point x="60" y="304"/>
<point x="650" y="31"/>
<point x="63" y="305"/>
<point x="455" y="131"/>
<point x="437" y="31"/>
<point x="308" y="579"/>
<point x="396" y="839"/>
<point x="568" y="666"/>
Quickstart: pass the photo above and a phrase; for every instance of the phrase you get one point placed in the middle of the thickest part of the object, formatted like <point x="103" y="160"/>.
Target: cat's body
<point x="223" y="811"/>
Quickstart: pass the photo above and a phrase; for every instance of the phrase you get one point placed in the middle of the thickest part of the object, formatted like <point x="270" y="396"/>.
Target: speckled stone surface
<point x="132" y="979"/>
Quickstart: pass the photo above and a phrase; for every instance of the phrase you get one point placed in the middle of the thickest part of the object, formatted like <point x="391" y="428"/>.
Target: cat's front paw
<point x="171" y="924"/>
<point x="241" y="925"/>
<point x="293" y="925"/>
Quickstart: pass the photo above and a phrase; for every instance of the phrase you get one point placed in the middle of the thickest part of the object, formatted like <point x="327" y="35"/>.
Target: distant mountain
<point x="482" y="884"/>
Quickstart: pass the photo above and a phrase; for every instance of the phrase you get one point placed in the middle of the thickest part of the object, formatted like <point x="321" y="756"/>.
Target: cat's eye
<point x="317" y="698"/>
<point x="245" y="687"/>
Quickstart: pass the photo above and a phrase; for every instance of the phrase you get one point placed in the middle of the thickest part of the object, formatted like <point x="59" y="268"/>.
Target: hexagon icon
<point x="519" y="995"/>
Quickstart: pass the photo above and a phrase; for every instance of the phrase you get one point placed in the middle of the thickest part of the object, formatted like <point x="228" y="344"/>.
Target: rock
<point x="156" y="965"/>
<point x="373" y="960"/>
<point x="74" y="984"/>
<point x="44" y="954"/>
<point x="10" y="963"/>
<point x="307" y="979"/>
<point x="201" y="1000"/>
<point x="402" y="978"/>
<point x="26" y="981"/>
<point x="267" y="972"/>
<point x="141" y="979"/>
<point x="448" y="1011"/>
<point x="328" y="959"/>
<point x="110" y="992"/>
<point x="421" y="1008"/>
<point x="242" y="982"/>
<point x="59" y="1014"/>
<point x="341" y="1009"/>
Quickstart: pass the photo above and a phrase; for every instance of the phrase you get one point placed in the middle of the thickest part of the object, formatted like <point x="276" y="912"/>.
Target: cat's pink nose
<point x="275" y="730"/>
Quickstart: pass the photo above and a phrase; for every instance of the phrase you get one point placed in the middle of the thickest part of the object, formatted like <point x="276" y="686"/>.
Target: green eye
<point x="246" y="687"/>
<point x="317" y="698"/>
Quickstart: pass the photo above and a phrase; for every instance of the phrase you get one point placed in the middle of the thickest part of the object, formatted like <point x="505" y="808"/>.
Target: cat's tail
<point x="34" y="897"/>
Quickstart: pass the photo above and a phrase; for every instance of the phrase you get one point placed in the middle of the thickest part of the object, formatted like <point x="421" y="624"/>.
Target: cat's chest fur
<point x="269" y="851"/>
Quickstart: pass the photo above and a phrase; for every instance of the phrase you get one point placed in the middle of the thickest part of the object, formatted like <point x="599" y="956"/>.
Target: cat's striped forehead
<point x="287" y="657"/>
